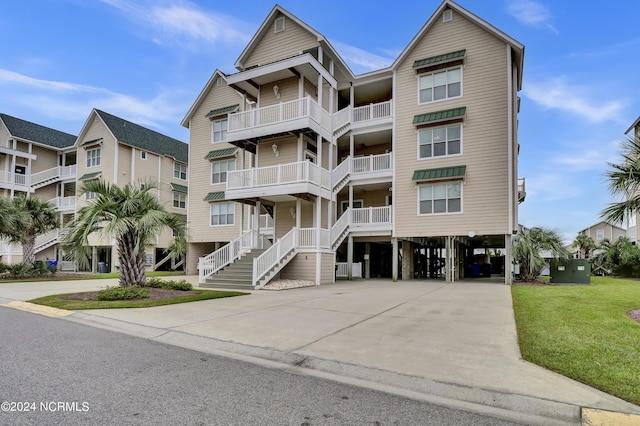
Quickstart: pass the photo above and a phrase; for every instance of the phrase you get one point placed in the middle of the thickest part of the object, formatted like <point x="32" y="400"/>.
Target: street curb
<point x="517" y="408"/>
<point x="592" y="417"/>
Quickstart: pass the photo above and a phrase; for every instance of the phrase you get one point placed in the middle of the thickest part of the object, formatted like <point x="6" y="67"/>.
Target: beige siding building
<point x="37" y="161"/>
<point x="405" y="172"/>
<point x="604" y="231"/>
<point x="121" y="152"/>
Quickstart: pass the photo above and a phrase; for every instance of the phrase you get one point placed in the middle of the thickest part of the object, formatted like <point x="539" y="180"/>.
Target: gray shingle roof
<point x="26" y="130"/>
<point x="143" y="138"/>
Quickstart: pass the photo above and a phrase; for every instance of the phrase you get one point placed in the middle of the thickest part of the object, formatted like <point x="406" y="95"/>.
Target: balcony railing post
<point x="370" y="215"/>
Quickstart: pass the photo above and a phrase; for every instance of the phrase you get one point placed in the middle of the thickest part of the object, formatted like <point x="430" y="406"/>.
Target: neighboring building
<point x="632" y="230"/>
<point x="37" y="161"/>
<point x="121" y="152"/>
<point x="406" y="172"/>
<point x="604" y="231"/>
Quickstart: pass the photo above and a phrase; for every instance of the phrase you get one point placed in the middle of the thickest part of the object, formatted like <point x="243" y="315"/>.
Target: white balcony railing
<point x="282" y="174"/>
<point x="54" y="174"/>
<point x="371" y="216"/>
<point x="14" y="178"/>
<point x="342" y="270"/>
<point x="279" y="113"/>
<point x="371" y="163"/>
<point x="371" y="112"/>
<point x="63" y="203"/>
<point x="308" y="238"/>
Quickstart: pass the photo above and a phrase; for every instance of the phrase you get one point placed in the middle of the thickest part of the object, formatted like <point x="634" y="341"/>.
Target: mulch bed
<point x="634" y="315"/>
<point x="154" y="294"/>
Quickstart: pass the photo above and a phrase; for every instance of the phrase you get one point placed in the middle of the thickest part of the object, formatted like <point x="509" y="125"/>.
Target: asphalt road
<point x="55" y="371"/>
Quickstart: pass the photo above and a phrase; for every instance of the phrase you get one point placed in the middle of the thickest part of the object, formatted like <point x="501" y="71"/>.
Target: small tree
<point x="585" y="245"/>
<point x="624" y="182"/>
<point x="25" y="219"/>
<point x="527" y="247"/>
<point x="133" y="216"/>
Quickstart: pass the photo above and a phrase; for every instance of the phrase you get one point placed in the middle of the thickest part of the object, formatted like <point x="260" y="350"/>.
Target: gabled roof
<point x="203" y="94"/>
<point x="28" y="131"/>
<point x="633" y="126"/>
<point x="603" y="222"/>
<point x="140" y="137"/>
<point x="267" y="24"/>
<point x="517" y="47"/>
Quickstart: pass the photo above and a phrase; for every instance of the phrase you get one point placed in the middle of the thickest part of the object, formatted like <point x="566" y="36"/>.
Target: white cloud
<point x="71" y="101"/>
<point x="531" y="13"/>
<point x="558" y="94"/>
<point x="182" y="22"/>
<point x="360" y="61"/>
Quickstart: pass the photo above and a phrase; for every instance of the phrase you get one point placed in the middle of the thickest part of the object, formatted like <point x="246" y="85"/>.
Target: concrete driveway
<point x="452" y="342"/>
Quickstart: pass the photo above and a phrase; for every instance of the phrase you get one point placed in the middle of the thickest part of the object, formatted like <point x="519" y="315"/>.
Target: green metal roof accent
<point x="89" y="176"/>
<point x="223" y="110"/>
<point x="145" y="139"/>
<point x="92" y="142"/>
<point x="179" y="188"/>
<point x="443" y="115"/>
<point x="440" y="173"/>
<point x="214" y="196"/>
<point x="22" y="129"/>
<point x="440" y="59"/>
<point x="219" y="153"/>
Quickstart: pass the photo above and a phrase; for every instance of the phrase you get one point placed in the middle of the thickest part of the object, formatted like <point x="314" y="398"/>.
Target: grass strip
<point x="583" y="332"/>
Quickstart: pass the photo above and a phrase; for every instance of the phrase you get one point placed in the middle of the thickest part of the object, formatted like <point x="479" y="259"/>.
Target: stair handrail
<point x="47" y="238"/>
<point x="340" y="172"/>
<point x="225" y="255"/>
<point x="340" y="226"/>
<point x="274" y="254"/>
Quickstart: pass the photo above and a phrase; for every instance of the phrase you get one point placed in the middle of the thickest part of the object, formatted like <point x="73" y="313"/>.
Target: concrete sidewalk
<point x="452" y="344"/>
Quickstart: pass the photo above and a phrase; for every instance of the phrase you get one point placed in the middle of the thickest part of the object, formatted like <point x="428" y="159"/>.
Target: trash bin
<point x="103" y="268"/>
<point x="52" y="263"/>
<point x="475" y="270"/>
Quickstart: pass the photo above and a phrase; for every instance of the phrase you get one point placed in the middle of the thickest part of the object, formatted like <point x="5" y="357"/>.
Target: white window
<point x="90" y="195"/>
<point x="344" y="205"/>
<point x="219" y="81"/>
<point x="179" y="200"/>
<point x="220" y="130"/>
<point x="440" y="85"/>
<point x="143" y="155"/>
<point x="439" y="141"/>
<point x="93" y="157"/>
<point x="279" y="25"/>
<point x="179" y="171"/>
<point x="219" y="170"/>
<point x="440" y="198"/>
<point x="222" y="214"/>
<point x="600" y="234"/>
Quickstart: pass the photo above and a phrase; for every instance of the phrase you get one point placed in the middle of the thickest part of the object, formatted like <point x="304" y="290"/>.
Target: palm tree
<point x="584" y="244"/>
<point x="132" y="215"/>
<point x="528" y="245"/>
<point x="24" y="219"/>
<point x="624" y="181"/>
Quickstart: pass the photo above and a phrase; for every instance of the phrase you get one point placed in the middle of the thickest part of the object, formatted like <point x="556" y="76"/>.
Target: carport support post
<point x="394" y="259"/>
<point x="447" y="260"/>
<point x="350" y="258"/>
<point x="94" y="259"/>
<point x="367" y="261"/>
<point x="508" y="260"/>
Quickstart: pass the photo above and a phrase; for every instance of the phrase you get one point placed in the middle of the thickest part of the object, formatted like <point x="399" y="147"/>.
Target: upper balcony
<point x="279" y="183"/>
<point x="372" y="115"/>
<point x="281" y="118"/>
<point x="367" y="169"/>
<point x="522" y="193"/>
<point x="15" y="181"/>
<point x="53" y="175"/>
<point x="64" y="204"/>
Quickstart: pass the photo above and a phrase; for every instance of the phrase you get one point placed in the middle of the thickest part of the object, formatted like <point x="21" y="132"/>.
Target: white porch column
<point x="298" y="212"/>
<point x="508" y="260"/>
<point x="351" y="145"/>
<point x="256" y="226"/>
<point x="350" y="257"/>
<point x="447" y="260"/>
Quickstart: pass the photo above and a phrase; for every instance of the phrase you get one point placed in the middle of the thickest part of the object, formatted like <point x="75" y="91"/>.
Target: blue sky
<point x="147" y="61"/>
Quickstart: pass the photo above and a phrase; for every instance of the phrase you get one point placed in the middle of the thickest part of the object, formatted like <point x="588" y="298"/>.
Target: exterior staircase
<point x="235" y="276"/>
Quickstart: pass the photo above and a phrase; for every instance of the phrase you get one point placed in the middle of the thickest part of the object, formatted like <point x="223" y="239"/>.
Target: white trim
<point x="278" y="25"/>
<point x="437" y="157"/>
<point x="430" y="183"/>
<point x="420" y="75"/>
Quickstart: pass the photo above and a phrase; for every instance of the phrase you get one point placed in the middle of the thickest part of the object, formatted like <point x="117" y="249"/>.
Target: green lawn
<point x="83" y="276"/>
<point x="583" y="332"/>
<point x="55" y="301"/>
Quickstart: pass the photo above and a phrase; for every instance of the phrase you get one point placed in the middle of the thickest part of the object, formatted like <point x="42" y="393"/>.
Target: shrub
<point x="123" y="293"/>
<point x="182" y="285"/>
<point x="22" y="270"/>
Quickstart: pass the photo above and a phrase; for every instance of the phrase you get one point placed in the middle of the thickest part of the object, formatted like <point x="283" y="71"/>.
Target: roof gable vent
<point x="278" y="25"/>
<point x="447" y="15"/>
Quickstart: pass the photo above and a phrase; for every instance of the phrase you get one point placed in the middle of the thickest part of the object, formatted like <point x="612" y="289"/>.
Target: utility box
<point x="573" y="271"/>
